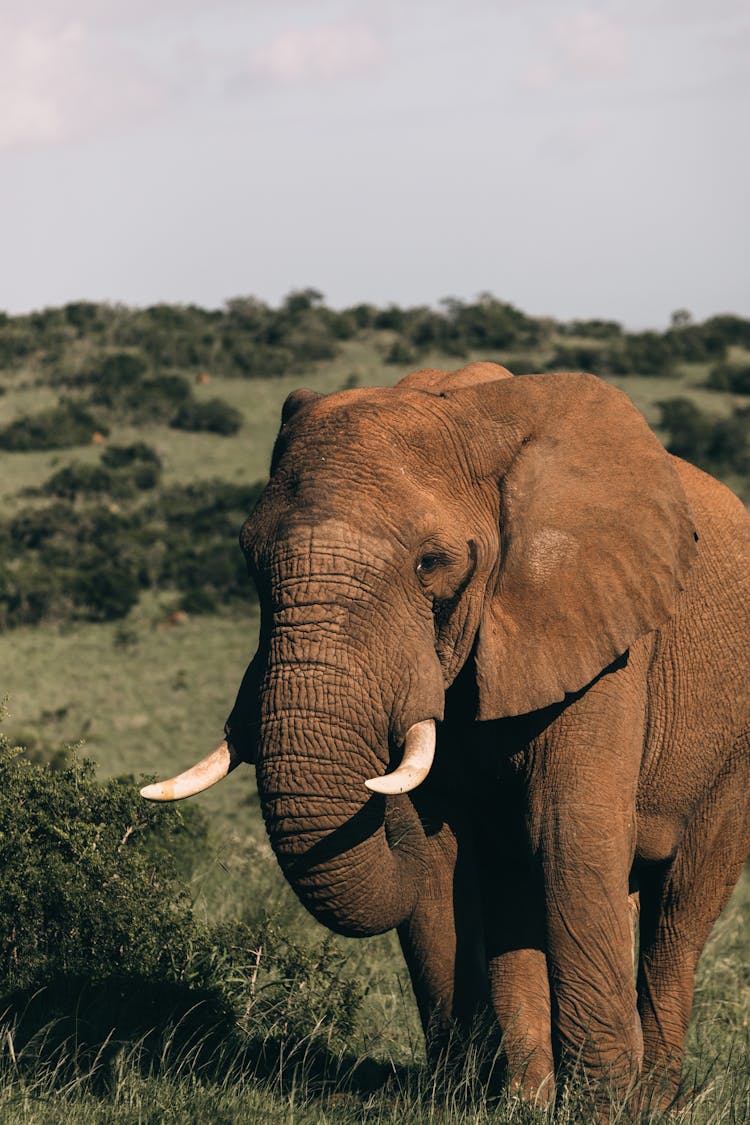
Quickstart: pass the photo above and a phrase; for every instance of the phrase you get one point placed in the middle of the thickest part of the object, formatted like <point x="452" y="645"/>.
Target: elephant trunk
<point x="353" y="859"/>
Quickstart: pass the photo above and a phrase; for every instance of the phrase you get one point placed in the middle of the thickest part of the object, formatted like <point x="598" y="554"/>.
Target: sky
<point x="575" y="159"/>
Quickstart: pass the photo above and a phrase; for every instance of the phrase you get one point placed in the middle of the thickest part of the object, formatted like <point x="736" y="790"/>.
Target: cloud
<point x="317" y="53"/>
<point x="59" y="81"/>
<point x="586" y="43"/>
<point x="591" y="40"/>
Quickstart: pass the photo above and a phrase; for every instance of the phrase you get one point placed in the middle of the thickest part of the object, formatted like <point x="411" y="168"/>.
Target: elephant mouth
<point x="418" y="756"/>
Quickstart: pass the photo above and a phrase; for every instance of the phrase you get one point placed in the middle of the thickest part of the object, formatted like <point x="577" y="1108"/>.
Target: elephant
<point x="500" y="703"/>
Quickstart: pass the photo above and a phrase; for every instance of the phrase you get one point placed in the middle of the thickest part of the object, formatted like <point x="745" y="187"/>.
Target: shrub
<point x="213" y="416"/>
<point x="400" y="353"/>
<point x="99" y="936"/>
<point x="147" y="400"/>
<point x="76" y="478"/>
<point x="31" y="591"/>
<point x="158" y="398"/>
<point x="594" y="329"/>
<point x="729" y="329"/>
<point x="243" y="356"/>
<point x="521" y="364"/>
<point x="717" y="445"/>
<point x="134" y="467"/>
<point x="119" y="370"/>
<point x="124" y="470"/>
<point x="105" y="585"/>
<point x="16" y="344"/>
<point x="65" y="425"/>
<point x="689" y="429"/>
<point x="185" y="540"/>
<point x="36" y="526"/>
<point x="80" y="891"/>
<point x="729" y="450"/>
<point x="580" y="357"/>
<point x="730" y="377"/>
<point x="121" y="456"/>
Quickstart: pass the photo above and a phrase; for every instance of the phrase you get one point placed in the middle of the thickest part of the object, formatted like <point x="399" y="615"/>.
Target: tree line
<point x="248" y="338"/>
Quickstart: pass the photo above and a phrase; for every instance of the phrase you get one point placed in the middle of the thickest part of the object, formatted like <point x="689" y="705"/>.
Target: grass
<point x="148" y="697"/>
<point x="386" y="1085"/>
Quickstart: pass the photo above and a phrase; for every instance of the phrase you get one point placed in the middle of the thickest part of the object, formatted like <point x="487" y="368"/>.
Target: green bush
<point x="521" y="364"/>
<point x="123" y="456"/>
<point x="98" y="934"/>
<point x="184" y="540"/>
<point x="578" y="357"/>
<point x="689" y="429"/>
<point x="86" y="884"/>
<point x="730" y="377"/>
<point x="124" y="470"/>
<point x="105" y="586"/>
<point x="76" y="478"/>
<point x="16" y="344"/>
<point x="63" y="426"/>
<point x="400" y="353"/>
<point x="36" y="526"/>
<point x="594" y="329"/>
<point x="717" y="445"/>
<point x="150" y="400"/>
<point x="31" y="592"/>
<point x="213" y="416"/>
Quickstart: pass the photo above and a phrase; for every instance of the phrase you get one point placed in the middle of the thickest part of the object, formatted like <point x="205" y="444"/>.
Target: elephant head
<point x="527" y="530"/>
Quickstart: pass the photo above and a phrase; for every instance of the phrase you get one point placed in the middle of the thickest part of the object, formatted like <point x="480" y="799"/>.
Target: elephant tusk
<point x="419" y="751"/>
<point x="202" y="775"/>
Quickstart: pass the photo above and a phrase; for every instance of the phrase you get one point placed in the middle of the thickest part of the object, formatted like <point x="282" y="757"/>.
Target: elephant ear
<point x="596" y="537"/>
<point x="438" y="382"/>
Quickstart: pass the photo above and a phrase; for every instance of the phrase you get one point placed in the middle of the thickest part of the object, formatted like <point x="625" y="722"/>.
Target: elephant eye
<point x="428" y="563"/>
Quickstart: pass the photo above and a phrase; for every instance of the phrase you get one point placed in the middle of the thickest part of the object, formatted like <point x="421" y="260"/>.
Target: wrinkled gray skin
<point x="517" y="559"/>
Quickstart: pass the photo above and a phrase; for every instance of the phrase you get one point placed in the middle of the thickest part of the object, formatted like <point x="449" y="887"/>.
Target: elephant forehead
<point x="383" y="427"/>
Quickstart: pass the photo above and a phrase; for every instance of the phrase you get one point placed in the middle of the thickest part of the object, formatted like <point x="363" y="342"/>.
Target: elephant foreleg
<point x="442" y="942"/>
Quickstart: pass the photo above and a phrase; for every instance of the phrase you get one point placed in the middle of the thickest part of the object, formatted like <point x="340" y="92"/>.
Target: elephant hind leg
<point x="679" y="906"/>
<point x="519" y="979"/>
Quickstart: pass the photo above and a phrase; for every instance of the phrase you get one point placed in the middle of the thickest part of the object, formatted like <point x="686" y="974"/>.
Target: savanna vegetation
<point x="153" y="964"/>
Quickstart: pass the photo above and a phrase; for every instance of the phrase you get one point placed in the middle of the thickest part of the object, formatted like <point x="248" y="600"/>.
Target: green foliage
<point x="76" y="478"/>
<point x="143" y="399"/>
<point x="400" y="353"/>
<point x="593" y="329"/>
<point x="116" y="374"/>
<point x="104" y="586"/>
<point x="186" y="540"/>
<point x="16" y="344"/>
<point x="606" y="350"/>
<point x="212" y="416"/>
<point x="99" y="934"/>
<point x="81" y="893"/>
<point x="288" y="989"/>
<point x="125" y="456"/>
<point x="730" y="377"/>
<point x="575" y="357"/>
<point x="65" y="425"/>
<point x="122" y="472"/>
<point x="717" y="445"/>
<point x="249" y="339"/>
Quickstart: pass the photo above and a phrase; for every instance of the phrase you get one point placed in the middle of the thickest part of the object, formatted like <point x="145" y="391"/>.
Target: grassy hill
<point x="144" y="682"/>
